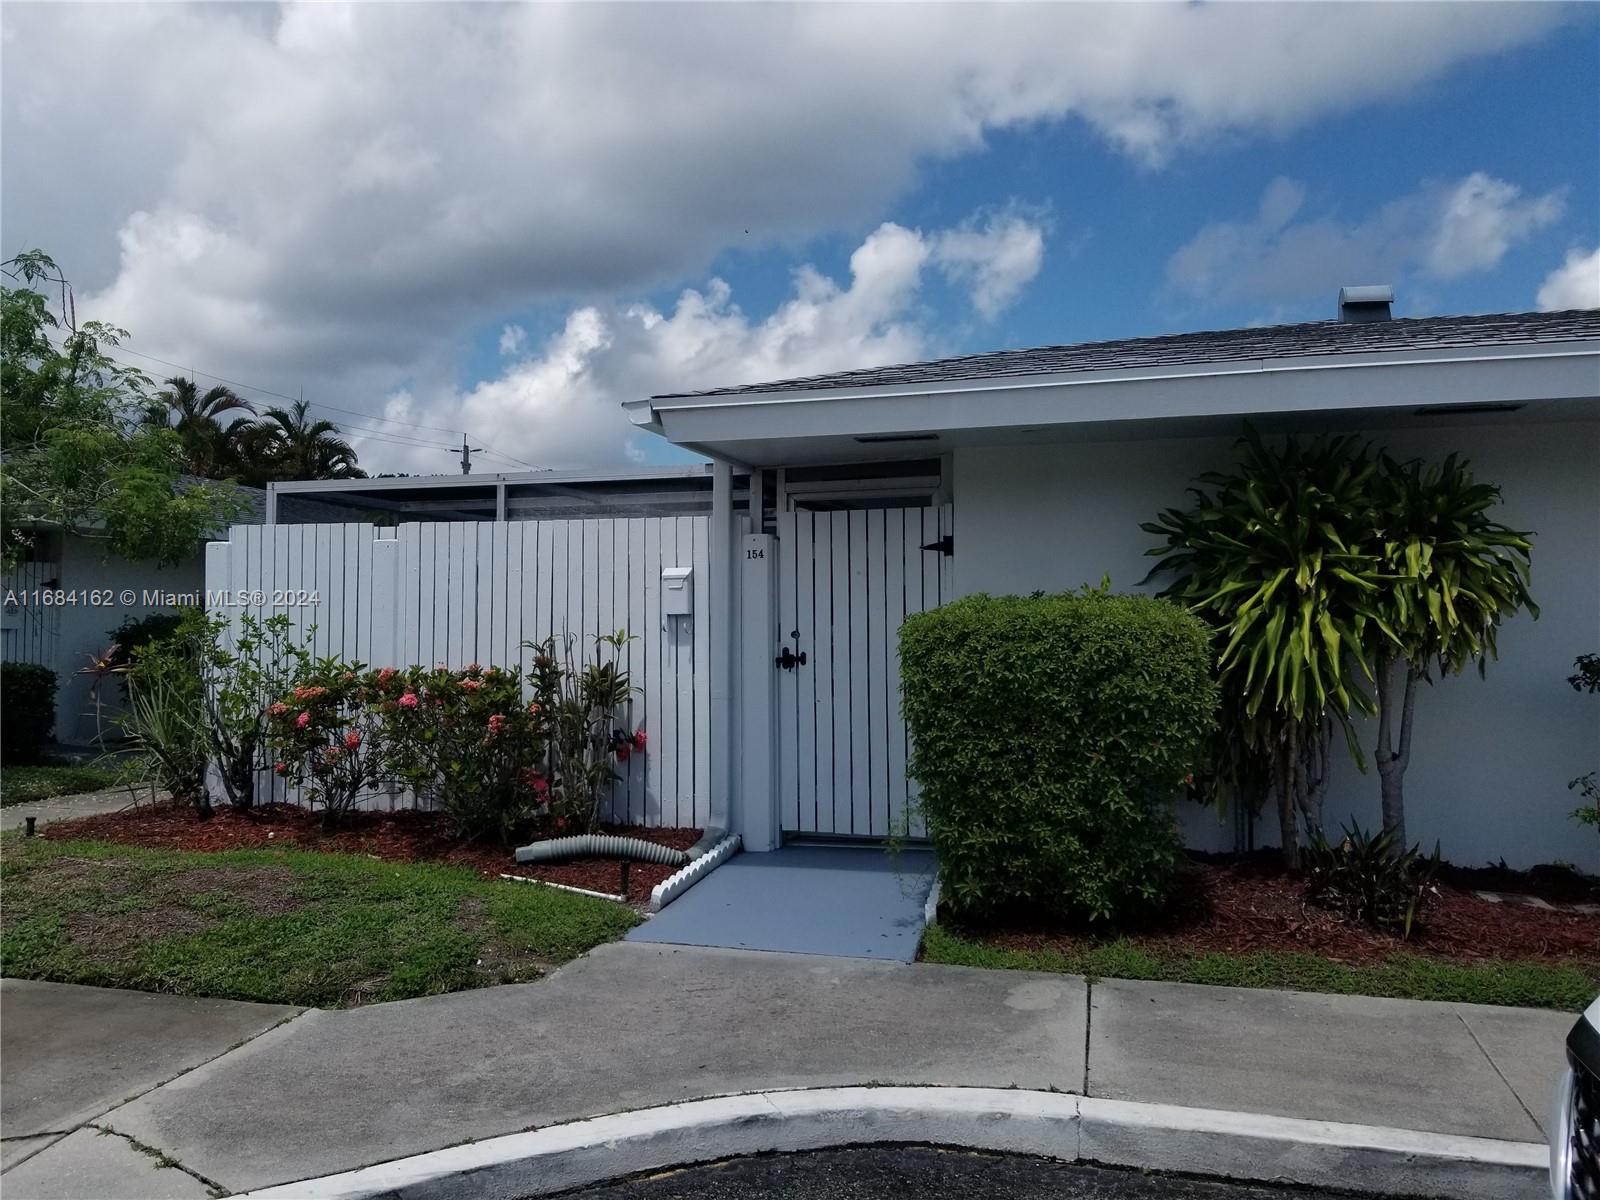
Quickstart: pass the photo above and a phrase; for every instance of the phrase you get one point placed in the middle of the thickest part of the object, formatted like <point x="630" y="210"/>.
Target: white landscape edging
<point x="681" y="880"/>
<point x="1055" y="1125"/>
<point x="616" y="897"/>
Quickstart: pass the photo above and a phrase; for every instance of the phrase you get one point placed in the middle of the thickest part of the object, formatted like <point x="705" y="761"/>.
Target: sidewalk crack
<point x="221" y="1054"/>
<point x="1088" y="1018"/>
<point x="1495" y="1067"/>
<point x="161" y="1157"/>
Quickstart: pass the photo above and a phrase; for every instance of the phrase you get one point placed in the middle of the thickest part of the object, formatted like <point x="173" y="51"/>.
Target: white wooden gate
<point x="455" y="593"/>
<point x="846" y="580"/>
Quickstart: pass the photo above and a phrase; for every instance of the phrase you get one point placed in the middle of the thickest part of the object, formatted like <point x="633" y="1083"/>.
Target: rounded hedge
<point x="1050" y="737"/>
<point x="27" y="711"/>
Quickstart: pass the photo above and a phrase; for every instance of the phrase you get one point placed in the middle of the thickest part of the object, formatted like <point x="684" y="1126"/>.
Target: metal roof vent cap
<point x="1360" y="304"/>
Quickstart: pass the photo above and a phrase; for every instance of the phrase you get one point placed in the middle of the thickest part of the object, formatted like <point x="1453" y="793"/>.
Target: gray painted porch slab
<point x="847" y="901"/>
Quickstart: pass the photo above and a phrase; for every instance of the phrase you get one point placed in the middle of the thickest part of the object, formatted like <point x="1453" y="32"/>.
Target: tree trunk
<point x="1288" y="754"/>
<point x="1392" y="760"/>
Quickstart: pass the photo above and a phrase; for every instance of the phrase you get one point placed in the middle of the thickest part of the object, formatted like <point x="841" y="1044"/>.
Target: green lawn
<point x="292" y="927"/>
<point x="23" y="785"/>
<point x="1526" y="984"/>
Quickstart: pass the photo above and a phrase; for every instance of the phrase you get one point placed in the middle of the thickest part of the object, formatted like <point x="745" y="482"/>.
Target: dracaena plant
<point x="1278" y="557"/>
<point x="1457" y="574"/>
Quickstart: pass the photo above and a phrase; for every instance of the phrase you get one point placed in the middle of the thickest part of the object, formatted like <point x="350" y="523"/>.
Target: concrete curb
<point x="681" y="880"/>
<point x="1362" y="1158"/>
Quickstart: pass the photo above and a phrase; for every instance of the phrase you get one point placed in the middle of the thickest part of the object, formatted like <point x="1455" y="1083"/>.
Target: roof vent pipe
<point x="1360" y="304"/>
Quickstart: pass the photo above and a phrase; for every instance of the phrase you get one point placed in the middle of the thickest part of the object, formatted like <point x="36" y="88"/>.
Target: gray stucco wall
<point x="1491" y="758"/>
<point x="86" y="631"/>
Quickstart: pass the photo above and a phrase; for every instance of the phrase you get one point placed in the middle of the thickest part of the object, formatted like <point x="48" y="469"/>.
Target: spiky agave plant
<point x="1279" y="556"/>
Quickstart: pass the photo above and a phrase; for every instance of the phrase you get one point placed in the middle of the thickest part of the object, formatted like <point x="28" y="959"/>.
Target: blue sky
<point x="1530" y="116"/>
<point x="486" y="218"/>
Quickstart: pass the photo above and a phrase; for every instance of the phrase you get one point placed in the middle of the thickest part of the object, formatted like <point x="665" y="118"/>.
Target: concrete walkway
<point x="64" y="808"/>
<point x="632" y="1025"/>
<point x="847" y="901"/>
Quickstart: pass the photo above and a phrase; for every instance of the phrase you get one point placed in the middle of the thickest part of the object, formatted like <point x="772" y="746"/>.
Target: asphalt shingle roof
<point x="1213" y="346"/>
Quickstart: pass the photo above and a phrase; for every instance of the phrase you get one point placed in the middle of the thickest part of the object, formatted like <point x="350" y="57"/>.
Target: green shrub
<point x="27" y="711"/>
<point x="1050" y="735"/>
<point x="135" y="633"/>
<point x="1370" y="877"/>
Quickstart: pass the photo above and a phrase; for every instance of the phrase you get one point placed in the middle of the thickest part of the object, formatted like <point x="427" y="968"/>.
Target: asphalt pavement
<point x="926" y="1173"/>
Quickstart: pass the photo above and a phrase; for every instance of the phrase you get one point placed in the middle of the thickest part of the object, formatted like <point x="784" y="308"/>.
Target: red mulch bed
<point x="401" y="836"/>
<point x="1252" y="906"/>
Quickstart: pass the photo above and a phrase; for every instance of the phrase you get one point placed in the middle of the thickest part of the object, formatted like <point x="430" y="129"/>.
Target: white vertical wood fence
<point x="455" y="593"/>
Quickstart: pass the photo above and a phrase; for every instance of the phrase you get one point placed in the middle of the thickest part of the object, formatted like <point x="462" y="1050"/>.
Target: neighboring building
<point x="99" y="591"/>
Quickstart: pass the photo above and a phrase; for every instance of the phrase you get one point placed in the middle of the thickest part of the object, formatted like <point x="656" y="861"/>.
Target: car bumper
<point x="1575" y="1130"/>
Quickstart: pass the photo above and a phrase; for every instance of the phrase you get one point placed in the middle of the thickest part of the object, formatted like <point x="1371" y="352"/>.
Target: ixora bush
<point x="329" y="736"/>
<point x="468" y="741"/>
<point x="27" y="711"/>
<point x="1050" y="736"/>
<point x="497" y="749"/>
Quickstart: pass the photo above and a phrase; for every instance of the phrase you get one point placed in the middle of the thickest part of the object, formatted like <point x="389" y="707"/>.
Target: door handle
<point x="789" y="660"/>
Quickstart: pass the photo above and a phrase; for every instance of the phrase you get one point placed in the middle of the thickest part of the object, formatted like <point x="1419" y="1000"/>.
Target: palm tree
<point x="298" y="447"/>
<point x="195" y="417"/>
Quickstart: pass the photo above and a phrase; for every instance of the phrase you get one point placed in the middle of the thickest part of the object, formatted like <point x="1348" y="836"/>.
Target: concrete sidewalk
<point x="633" y="1025"/>
<point x="65" y="808"/>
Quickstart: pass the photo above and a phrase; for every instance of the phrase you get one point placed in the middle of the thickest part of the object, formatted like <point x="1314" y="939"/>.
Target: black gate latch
<point x="789" y="660"/>
<point x="945" y="545"/>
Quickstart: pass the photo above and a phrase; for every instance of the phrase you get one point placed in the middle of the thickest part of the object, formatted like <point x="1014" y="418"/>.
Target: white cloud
<point x="1574" y="284"/>
<point x="560" y="405"/>
<point x="1481" y="220"/>
<point x="513" y="338"/>
<point x="1440" y="231"/>
<point x="340" y="196"/>
<point x="996" y="260"/>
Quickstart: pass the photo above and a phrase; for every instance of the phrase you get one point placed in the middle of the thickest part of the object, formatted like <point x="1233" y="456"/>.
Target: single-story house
<point x="1033" y="469"/>
<point x="98" y="591"/>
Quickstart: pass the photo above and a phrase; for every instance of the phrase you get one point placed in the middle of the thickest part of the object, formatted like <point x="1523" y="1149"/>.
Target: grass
<point x="284" y="926"/>
<point x="1410" y="976"/>
<point x="24" y="785"/>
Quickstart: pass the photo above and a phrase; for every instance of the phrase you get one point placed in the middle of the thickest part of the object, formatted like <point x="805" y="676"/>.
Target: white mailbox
<point x="677" y="591"/>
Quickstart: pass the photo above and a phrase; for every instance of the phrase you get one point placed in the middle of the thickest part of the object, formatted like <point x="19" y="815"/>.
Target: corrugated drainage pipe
<point x="601" y="845"/>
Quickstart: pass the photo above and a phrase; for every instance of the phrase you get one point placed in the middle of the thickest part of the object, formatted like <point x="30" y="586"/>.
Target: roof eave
<point x="1239" y="388"/>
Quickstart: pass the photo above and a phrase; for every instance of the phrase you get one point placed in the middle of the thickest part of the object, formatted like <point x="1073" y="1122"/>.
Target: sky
<point x="506" y="220"/>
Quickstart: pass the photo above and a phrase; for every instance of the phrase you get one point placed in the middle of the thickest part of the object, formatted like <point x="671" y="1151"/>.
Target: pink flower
<point x="473" y="668"/>
<point x="386" y="674"/>
<point x="640" y="739"/>
<point x="352" y="740"/>
<point x="497" y="723"/>
<point x="471" y="685"/>
<point x="541" y="786"/>
<point x="623" y="752"/>
<point x="409" y="700"/>
<point x="279" y="768"/>
<point x="533" y="708"/>
<point x="331" y="755"/>
<point x="278" y="709"/>
<point x="302" y="720"/>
